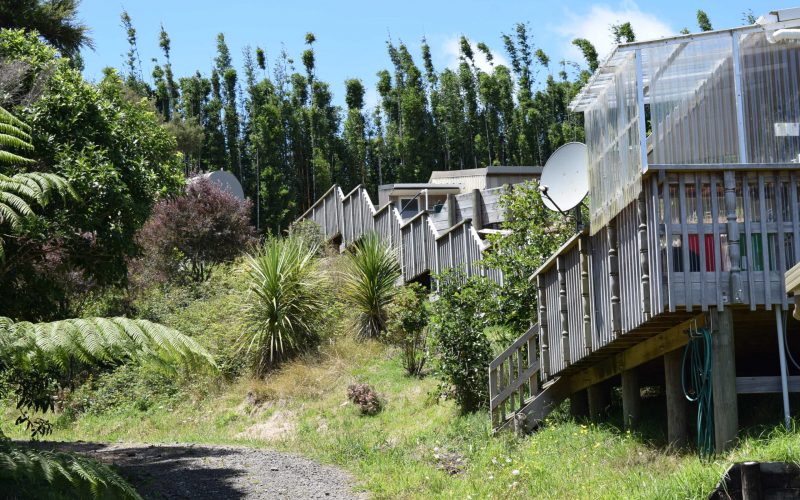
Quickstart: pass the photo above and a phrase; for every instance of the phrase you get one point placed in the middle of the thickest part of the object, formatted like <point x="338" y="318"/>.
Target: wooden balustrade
<point x="422" y="249"/>
<point x="513" y="378"/>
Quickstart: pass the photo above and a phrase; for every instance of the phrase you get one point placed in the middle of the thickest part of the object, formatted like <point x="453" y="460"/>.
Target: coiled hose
<point x="698" y="388"/>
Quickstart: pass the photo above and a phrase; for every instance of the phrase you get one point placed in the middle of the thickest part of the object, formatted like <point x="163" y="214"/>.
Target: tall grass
<point x="286" y="301"/>
<point x="369" y="284"/>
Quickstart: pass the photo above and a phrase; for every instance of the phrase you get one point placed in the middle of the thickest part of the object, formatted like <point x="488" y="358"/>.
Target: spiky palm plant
<point x="369" y="280"/>
<point x="19" y="191"/>
<point x="287" y="300"/>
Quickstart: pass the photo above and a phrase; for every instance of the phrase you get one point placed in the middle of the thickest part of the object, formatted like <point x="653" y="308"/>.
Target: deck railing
<point x="725" y="237"/>
<point x="421" y="248"/>
<point x="697" y="238"/>
<point x="513" y="378"/>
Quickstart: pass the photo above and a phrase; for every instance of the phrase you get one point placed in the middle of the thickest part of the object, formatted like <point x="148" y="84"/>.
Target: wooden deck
<point x="424" y="244"/>
<point x="695" y="240"/>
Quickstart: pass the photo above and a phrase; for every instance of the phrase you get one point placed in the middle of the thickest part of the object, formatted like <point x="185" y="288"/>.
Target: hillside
<point x="417" y="447"/>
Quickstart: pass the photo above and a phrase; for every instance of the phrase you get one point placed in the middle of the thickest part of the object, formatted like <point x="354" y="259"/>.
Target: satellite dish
<point x="565" y="178"/>
<point x="225" y="181"/>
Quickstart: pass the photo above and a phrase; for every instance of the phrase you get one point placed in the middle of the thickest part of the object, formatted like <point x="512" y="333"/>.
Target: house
<point x="694" y="144"/>
<point x="411" y="198"/>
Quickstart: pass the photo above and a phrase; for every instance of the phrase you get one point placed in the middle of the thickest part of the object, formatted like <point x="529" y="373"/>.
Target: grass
<point x="418" y="447"/>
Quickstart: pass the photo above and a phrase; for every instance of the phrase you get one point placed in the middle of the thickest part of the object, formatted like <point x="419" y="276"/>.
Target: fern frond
<point x="7" y="117"/>
<point x="42" y="186"/>
<point x="13" y="141"/>
<point x="7" y="128"/>
<point x="7" y="158"/>
<point x="35" y="472"/>
<point x="13" y="208"/>
<point x="98" y="340"/>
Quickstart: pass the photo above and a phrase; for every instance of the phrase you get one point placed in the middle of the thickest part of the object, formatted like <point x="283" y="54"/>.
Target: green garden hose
<point x="698" y="388"/>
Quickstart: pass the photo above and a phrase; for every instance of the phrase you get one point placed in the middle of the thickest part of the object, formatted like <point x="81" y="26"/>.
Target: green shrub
<point x="463" y="351"/>
<point x="286" y="302"/>
<point x="309" y="232"/>
<point x="369" y="283"/>
<point x="408" y="324"/>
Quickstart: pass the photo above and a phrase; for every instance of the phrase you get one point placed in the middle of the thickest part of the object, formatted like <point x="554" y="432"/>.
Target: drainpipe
<point x="784" y="374"/>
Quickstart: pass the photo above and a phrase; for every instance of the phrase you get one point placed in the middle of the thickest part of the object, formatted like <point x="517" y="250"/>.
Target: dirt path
<point x="201" y="472"/>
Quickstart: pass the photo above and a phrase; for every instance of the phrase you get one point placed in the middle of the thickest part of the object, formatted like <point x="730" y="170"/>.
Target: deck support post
<point x="477" y="209"/>
<point x="452" y="211"/>
<point x="734" y="251"/>
<point x="631" y="399"/>
<point x="726" y="412"/>
<point x="676" y="402"/>
<point x="544" y="341"/>
<point x="613" y="278"/>
<point x="599" y="397"/>
<point x="561" y="269"/>
<point x="579" y="405"/>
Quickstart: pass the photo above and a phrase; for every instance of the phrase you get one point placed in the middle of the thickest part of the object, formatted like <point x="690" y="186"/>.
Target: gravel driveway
<point x="201" y="472"/>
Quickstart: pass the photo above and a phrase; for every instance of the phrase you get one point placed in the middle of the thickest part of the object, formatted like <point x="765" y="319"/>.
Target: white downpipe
<point x="782" y="35"/>
<point x="784" y="374"/>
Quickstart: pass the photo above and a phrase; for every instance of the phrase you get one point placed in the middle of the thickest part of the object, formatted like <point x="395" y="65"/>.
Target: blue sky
<point x="351" y="34"/>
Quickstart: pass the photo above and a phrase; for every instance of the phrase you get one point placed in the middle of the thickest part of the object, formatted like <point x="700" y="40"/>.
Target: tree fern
<point x="19" y="191"/>
<point x="94" y="341"/>
<point x="35" y="473"/>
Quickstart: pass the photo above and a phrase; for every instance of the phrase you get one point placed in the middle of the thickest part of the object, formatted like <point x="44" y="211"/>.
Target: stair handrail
<point x="513" y="383"/>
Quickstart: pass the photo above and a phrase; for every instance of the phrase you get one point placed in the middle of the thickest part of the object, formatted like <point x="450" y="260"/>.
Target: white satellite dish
<point x="565" y="178"/>
<point x="225" y="181"/>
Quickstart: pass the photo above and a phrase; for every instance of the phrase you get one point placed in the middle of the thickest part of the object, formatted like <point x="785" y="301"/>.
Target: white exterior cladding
<point x="722" y="97"/>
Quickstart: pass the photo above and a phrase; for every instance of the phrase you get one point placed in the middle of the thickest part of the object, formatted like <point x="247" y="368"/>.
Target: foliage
<point x="365" y="397"/>
<point x="55" y="20"/>
<point x="308" y="232"/>
<point x="408" y="326"/>
<point x="285" y="139"/>
<point x="285" y="304"/>
<point x="32" y="473"/>
<point x="460" y="345"/>
<point x="118" y="159"/>
<point x="189" y="234"/>
<point x="370" y="277"/>
<point x="19" y="190"/>
<point x="534" y="233"/>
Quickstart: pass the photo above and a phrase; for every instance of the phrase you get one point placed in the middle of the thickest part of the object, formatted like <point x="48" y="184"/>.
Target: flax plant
<point x="370" y="277"/>
<point x="286" y="303"/>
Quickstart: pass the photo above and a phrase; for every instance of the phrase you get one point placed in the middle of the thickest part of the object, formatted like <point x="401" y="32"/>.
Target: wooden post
<point x="726" y="412"/>
<point x="599" y="397"/>
<point x="631" y="399"/>
<point x="644" y="260"/>
<point x="676" y="401"/>
<point x="452" y="211"/>
<point x="586" y="301"/>
<point x="477" y="209"/>
<point x="751" y="481"/>
<point x="734" y="253"/>
<point x="579" y="405"/>
<point x="613" y="278"/>
<point x="562" y="308"/>
<point x="543" y="340"/>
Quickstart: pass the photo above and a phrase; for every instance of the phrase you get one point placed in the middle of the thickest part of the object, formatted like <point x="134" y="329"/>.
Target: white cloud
<point x="451" y="49"/>
<point x="594" y="23"/>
